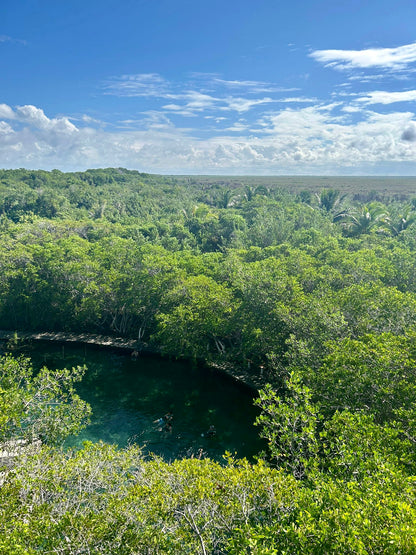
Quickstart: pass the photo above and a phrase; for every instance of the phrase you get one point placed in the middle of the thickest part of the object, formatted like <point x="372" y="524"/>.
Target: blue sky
<point x="270" y="87"/>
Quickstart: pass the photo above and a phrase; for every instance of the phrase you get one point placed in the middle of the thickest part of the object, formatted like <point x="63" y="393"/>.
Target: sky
<point x="254" y="87"/>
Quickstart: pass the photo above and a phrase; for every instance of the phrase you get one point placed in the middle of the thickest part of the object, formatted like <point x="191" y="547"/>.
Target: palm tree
<point x="363" y="220"/>
<point x="329" y="199"/>
<point x="225" y="198"/>
<point x="249" y="193"/>
<point x="397" y="223"/>
<point x="262" y="190"/>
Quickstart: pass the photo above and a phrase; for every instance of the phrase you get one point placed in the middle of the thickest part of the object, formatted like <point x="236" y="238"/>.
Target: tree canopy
<point x="311" y="295"/>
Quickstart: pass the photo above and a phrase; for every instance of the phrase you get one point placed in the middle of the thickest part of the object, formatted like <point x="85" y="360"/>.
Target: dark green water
<point x="127" y="396"/>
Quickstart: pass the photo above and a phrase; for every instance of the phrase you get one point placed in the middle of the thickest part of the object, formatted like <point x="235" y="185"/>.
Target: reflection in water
<point x="129" y="396"/>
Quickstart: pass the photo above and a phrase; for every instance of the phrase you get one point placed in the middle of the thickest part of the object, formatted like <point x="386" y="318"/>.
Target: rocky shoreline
<point x="135" y="347"/>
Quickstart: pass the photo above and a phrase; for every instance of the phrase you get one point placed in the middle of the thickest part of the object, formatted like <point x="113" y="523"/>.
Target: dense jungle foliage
<point x="311" y="294"/>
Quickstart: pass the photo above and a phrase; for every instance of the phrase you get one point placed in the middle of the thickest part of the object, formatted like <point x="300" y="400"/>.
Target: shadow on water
<point x="129" y="396"/>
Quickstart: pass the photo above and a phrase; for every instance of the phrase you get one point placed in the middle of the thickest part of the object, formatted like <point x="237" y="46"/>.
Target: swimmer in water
<point x="168" y="416"/>
<point x="211" y="432"/>
<point x="164" y="422"/>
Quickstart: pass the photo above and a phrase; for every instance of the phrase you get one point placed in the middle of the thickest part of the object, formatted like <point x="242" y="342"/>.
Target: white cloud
<point x="296" y="99"/>
<point x="302" y="140"/>
<point x="5" y="128"/>
<point x="36" y="118"/>
<point x="252" y="86"/>
<point x="296" y="123"/>
<point x="351" y="109"/>
<point x="6" y="112"/>
<point x="238" y="127"/>
<point x="388" y="58"/>
<point x="142" y="84"/>
<point x="214" y="81"/>
<point x="362" y="77"/>
<point x="243" y="104"/>
<point x="196" y="102"/>
<point x="205" y="92"/>
<point x="6" y="38"/>
<point x="90" y="120"/>
<point x="33" y="116"/>
<point x="384" y="97"/>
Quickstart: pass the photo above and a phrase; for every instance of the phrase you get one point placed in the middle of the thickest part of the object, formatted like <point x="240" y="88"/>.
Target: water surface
<point x="127" y="397"/>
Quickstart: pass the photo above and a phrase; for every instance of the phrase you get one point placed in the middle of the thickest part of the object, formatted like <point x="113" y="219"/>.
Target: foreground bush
<point x="105" y="500"/>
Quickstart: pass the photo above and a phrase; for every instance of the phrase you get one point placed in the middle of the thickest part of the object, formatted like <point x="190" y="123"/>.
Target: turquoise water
<point x="127" y="396"/>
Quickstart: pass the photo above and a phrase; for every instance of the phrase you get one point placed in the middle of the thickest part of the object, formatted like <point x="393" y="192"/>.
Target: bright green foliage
<point x="354" y="447"/>
<point x="364" y="220"/>
<point x="317" y="301"/>
<point x="266" y="293"/>
<point x="107" y="251"/>
<point x="329" y="200"/>
<point x="396" y="222"/>
<point x="196" y="318"/>
<point x="373" y="516"/>
<point x="375" y="374"/>
<point x="43" y="406"/>
<point x="289" y="424"/>
<point x="374" y="308"/>
<point x="105" y="500"/>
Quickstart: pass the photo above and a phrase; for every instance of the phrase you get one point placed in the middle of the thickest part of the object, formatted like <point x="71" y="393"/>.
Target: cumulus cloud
<point x="35" y="117"/>
<point x="5" y="128"/>
<point x="30" y="138"/>
<point x="409" y="134"/>
<point x="311" y="139"/>
<point x="388" y="58"/>
<point x="6" y="112"/>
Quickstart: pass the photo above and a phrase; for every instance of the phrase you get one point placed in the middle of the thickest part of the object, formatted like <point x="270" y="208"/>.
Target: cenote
<point x="127" y="397"/>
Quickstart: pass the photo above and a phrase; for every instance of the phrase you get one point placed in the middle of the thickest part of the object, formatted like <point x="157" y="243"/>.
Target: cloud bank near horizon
<point x="312" y="139"/>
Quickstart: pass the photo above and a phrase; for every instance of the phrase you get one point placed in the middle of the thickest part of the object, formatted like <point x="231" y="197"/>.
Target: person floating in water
<point x="168" y="417"/>
<point x="165" y="422"/>
<point x="211" y="432"/>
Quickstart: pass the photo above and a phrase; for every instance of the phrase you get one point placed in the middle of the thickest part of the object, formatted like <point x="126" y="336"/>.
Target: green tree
<point x="329" y="200"/>
<point x="289" y="424"/>
<point x="375" y="308"/>
<point x="354" y="446"/>
<point x="375" y="374"/>
<point x="43" y="406"/>
<point x="195" y="318"/>
<point x="396" y="223"/>
<point x="363" y="220"/>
